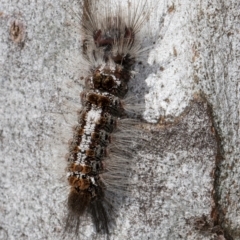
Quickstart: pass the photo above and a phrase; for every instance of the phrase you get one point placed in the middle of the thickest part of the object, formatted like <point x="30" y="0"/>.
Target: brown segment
<point x="84" y="169"/>
<point x="94" y="139"/>
<point x="102" y="121"/>
<point x="78" y="130"/>
<point x="95" y="135"/>
<point x="103" y="101"/>
<point x="92" y="98"/>
<point x="73" y="167"/>
<point x="98" y="100"/>
<point x="107" y="82"/>
<point x="90" y="153"/>
<point x="104" y="82"/>
<point x="71" y="180"/>
<point x="83" y="184"/>
<point x="80" y="183"/>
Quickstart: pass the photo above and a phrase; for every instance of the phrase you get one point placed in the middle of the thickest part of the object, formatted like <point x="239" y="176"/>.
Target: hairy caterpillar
<point x="101" y="147"/>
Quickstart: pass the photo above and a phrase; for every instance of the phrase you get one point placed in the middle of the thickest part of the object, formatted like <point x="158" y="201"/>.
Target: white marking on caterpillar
<point x="92" y="117"/>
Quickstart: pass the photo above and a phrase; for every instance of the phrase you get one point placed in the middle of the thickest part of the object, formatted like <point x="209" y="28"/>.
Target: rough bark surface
<point x="188" y="174"/>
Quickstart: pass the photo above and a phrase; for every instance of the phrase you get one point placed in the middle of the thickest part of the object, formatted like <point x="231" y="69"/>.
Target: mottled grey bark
<point x="187" y="176"/>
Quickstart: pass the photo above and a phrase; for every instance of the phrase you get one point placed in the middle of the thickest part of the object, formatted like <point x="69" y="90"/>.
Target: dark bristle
<point x="78" y="201"/>
<point x="99" y="216"/>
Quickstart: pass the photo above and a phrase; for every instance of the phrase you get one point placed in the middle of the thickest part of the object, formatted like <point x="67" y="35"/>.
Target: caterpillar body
<point x="100" y="150"/>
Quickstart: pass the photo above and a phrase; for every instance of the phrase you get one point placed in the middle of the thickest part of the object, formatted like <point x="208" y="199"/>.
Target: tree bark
<point x="187" y="176"/>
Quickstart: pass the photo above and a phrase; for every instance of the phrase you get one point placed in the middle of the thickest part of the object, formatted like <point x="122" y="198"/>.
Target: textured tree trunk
<point x="187" y="175"/>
